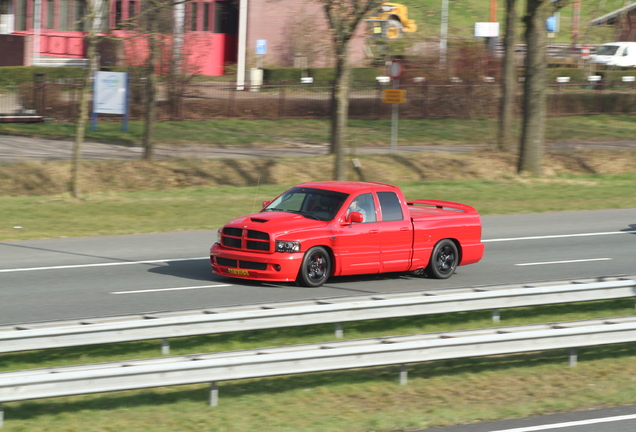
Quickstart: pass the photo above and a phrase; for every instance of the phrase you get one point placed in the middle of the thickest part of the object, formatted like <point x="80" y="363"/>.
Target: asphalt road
<point x="620" y="419"/>
<point x="42" y="280"/>
<point x="20" y="149"/>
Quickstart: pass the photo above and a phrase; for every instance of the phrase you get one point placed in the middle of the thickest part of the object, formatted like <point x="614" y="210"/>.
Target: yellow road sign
<point x="393" y="96"/>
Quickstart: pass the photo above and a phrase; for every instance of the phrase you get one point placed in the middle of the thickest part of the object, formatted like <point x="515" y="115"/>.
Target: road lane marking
<point x="206" y="258"/>
<point x="102" y="264"/>
<point x="564" y="262"/>
<point x="570" y="424"/>
<point x="170" y="289"/>
<point x="557" y="236"/>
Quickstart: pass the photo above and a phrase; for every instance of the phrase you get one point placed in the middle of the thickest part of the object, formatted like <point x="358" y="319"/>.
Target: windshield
<point x="608" y="50"/>
<point x="312" y="203"/>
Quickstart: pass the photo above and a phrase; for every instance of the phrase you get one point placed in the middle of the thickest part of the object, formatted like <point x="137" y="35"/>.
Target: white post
<point x="443" y="34"/>
<point x="37" y="26"/>
<point x="339" y="332"/>
<point x="179" y="19"/>
<point x="242" y="42"/>
<point x="495" y="315"/>
<point x="165" y="347"/>
<point x="214" y="395"/>
<point x="403" y="374"/>
<point x="573" y="357"/>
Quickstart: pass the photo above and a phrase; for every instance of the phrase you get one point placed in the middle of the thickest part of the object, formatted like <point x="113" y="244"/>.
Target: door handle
<point x="375" y="231"/>
<point x="405" y="229"/>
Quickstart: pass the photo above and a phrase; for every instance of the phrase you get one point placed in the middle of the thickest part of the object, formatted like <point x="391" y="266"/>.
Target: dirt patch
<point x="52" y="178"/>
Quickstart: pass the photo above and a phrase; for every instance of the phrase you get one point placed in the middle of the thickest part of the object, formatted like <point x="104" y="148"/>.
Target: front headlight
<point x="218" y="235"/>
<point x="287" y="246"/>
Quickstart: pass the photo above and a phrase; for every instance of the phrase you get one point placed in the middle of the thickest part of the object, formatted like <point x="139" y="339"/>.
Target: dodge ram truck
<point x="321" y="229"/>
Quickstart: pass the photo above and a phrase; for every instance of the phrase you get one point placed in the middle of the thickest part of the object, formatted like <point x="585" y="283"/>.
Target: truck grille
<point x="251" y="265"/>
<point x="238" y="238"/>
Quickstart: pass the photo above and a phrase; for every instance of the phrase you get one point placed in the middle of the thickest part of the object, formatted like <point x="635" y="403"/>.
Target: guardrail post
<point x="495" y="315"/>
<point x="403" y="374"/>
<point x="339" y="332"/>
<point x="214" y="395"/>
<point x="165" y="347"/>
<point x="1" y="416"/>
<point x="573" y="357"/>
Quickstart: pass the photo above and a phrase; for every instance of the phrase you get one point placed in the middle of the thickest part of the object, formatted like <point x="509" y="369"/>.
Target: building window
<point x="20" y="22"/>
<point x="132" y="10"/>
<point x="225" y="17"/>
<point x="62" y="24"/>
<point x="5" y="7"/>
<point x="50" y="14"/>
<point x="206" y="16"/>
<point x="79" y="23"/>
<point x="118" y="14"/>
<point x="193" y="17"/>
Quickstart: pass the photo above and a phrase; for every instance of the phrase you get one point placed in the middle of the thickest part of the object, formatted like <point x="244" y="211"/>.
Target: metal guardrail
<point x="337" y="310"/>
<point x="341" y="355"/>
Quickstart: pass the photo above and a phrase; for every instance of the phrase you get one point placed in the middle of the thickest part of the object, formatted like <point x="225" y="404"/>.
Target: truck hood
<point x="275" y="222"/>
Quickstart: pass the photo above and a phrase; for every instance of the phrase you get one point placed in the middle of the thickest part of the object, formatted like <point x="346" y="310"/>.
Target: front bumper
<point x="275" y="267"/>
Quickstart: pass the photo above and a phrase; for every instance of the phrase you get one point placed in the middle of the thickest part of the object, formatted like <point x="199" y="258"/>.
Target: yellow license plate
<point x="238" y="272"/>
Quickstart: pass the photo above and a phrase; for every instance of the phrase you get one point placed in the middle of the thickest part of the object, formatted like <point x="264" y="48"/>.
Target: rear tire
<point x="444" y="260"/>
<point x="315" y="268"/>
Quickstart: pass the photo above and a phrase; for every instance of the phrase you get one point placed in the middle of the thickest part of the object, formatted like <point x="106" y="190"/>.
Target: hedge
<point x="320" y="75"/>
<point x="15" y="75"/>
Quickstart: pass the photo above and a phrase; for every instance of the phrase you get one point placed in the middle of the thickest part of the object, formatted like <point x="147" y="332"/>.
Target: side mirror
<point x="266" y="203"/>
<point x="355" y="217"/>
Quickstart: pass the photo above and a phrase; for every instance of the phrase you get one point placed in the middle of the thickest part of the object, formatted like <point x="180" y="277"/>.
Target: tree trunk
<point x="505" y="141"/>
<point x="151" y="93"/>
<point x="534" y="103"/>
<point x="94" y="8"/>
<point x="339" y="115"/>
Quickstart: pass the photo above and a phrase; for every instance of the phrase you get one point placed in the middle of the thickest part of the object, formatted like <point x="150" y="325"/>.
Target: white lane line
<point x="570" y="424"/>
<point x="564" y="262"/>
<point x="101" y="264"/>
<point x="171" y="289"/>
<point x="558" y="236"/>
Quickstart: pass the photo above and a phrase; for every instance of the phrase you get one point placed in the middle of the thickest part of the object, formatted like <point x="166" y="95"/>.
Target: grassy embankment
<point x="124" y="197"/>
<point x="438" y="393"/>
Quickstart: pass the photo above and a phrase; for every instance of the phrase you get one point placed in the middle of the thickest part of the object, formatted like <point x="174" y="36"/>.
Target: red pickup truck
<point x="331" y="228"/>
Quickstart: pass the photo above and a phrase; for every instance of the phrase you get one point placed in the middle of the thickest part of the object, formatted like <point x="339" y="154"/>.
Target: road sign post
<point x="396" y="96"/>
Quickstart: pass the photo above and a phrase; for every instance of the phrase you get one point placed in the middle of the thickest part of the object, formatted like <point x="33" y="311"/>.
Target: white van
<point x="622" y="54"/>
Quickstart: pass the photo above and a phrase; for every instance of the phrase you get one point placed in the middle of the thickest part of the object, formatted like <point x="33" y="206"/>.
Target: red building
<point x="55" y="35"/>
<point x="295" y="31"/>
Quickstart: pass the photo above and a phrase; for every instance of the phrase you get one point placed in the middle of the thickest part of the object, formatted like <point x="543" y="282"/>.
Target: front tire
<point x="315" y="268"/>
<point x="393" y="29"/>
<point x="444" y="260"/>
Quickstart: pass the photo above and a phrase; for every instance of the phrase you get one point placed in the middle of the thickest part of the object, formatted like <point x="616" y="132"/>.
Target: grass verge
<point x="198" y="208"/>
<point x="232" y="132"/>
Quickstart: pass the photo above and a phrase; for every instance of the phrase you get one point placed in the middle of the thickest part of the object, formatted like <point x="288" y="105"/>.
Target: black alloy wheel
<point x="444" y="260"/>
<point x="315" y="268"/>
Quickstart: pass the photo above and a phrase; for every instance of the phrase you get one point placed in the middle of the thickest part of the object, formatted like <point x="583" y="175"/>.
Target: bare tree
<point x="158" y="26"/>
<point x="93" y="21"/>
<point x="534" y="103"/>
<point x="508" y="80"/>
<point x="343" y="17"/>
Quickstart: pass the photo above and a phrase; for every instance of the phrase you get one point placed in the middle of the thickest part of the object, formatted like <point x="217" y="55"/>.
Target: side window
<point x="363" y="204"/>
<point x="390" y="205"/>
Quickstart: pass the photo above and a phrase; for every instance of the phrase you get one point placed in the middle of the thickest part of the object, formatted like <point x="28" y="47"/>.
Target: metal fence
<point x="59" y="100"/>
